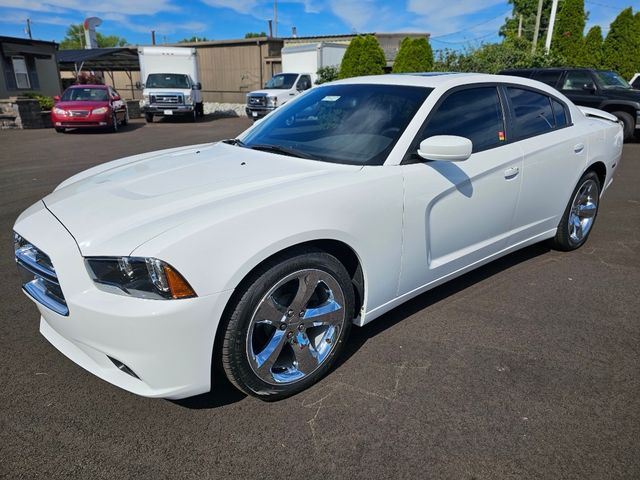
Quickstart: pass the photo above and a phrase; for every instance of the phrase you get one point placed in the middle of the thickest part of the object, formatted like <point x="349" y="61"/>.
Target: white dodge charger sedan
<point x="253" y="256"/>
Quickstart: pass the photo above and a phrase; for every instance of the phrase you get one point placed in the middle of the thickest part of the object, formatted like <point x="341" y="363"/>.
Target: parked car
<point x="89" y="106"/>
<point x="602" y="89"/>
<point x="258" y="253"/>
<point x="635" y="81"/>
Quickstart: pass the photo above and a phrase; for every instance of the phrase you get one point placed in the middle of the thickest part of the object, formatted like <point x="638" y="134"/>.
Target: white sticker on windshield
<point x="330" y="98"/>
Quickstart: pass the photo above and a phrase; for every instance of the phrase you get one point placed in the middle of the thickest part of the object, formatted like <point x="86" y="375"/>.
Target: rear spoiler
<point x="595" y="113"/>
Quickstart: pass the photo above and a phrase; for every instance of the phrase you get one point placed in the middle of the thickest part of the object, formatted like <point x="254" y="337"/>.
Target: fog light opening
<point x="123" y="368"/>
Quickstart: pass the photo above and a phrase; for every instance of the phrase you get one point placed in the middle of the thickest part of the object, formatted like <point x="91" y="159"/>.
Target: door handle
<point x="578" y="148"/>
<point x="512" y="172"/>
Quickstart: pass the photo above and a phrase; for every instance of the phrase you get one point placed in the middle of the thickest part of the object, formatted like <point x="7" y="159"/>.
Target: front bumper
<point x="258" y="112"/>
<point x="167" y="344"/>
<point x="89" y="121"/>
<point x="164" y="110"/>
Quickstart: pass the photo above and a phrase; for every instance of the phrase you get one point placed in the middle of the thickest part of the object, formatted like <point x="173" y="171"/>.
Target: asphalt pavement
<point x="527" y="368"/>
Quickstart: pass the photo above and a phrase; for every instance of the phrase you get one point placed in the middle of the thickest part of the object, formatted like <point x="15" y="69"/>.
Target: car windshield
<point x="85" y="95"/>
<point x="168" y="80"/>
<point x="611" y="80"/>
<point x="283" y="81"/>
<point x="351" y="124"/>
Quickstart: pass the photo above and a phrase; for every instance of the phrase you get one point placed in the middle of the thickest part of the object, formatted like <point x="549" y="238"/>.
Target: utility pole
<point x="28" y="29"/>
<point x="537" y="27"/>
<point x="520" y="27"/>
<point x="275" y="17"/>
<point x="552" y="21"/>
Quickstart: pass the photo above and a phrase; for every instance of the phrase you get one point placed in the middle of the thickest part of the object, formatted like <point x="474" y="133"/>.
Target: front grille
<point x="167" y="99"/>
<point x="257" y="101"/>
<point x="38" y="276"/>
<point x="79" y="113"/>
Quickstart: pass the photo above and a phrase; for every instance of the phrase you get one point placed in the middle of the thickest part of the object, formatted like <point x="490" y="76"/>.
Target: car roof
<point x="89" y="85"/>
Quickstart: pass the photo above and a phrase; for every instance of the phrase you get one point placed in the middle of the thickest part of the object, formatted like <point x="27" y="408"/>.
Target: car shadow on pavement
<point x="224" y="393"/>
<point x="359" y="336"/>
<point x="101" y="131"/>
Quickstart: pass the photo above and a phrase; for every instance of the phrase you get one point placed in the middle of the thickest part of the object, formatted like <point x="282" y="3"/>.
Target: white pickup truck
<point x="300" y="64"/>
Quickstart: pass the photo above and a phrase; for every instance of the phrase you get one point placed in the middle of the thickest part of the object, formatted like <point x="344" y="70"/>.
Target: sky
<point x="452" y="24"/>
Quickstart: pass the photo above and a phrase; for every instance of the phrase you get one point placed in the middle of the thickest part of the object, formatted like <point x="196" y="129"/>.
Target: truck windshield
<point x="282" y="81"/>
<point x="611" y="80"/>
<point x="168" y="80"/>
<point x="85" y="95"/>
<point x="351" y="124"/>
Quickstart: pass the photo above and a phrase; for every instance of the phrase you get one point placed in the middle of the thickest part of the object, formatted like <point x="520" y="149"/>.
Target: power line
<point x="465" y="41"/>
<point x="472" y="26"/>
<point x="602" y="5"/>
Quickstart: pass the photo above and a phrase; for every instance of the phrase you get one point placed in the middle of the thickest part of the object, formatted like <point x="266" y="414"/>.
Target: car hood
<point x="79" y="104"/>
<point x="116" y="207"/>
<point x="623" y="94"/>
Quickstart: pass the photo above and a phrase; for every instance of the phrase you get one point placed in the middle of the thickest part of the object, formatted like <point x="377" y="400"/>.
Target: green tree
<point x="621" y="48"/>
<point x="194" y="39"/>
<point x="415" y="55"/>
<point x="327" y="74"/>
<point x="528" y="9"/>
<point x="254" y="34"/>
<point x="592" y="53"/>
<point x="363" y="57"/>
<point x="74" y="38"/>
<point x="567" y="37"/>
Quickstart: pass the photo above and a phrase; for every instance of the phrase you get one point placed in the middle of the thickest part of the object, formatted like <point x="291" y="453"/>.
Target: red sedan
<point x="89" y="106"/>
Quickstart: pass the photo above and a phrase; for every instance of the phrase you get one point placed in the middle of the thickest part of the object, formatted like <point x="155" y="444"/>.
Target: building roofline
<point x="26" y="41"/>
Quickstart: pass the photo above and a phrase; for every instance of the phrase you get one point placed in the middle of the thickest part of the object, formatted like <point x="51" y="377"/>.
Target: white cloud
<point x="358" y="14"/>
<point x="239" y="6"/>
<point x="20" y="18"/>
<point x="126" y="7"/>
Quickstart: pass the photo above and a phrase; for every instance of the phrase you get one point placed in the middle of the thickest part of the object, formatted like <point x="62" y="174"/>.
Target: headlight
<point x="99" y="111"/>
<point x="272" y="101"/>
<point x="145" y="99"/>
<point x="59" y="111"/>
<point x="139" y="277"/>
<point x="188" y="99"/>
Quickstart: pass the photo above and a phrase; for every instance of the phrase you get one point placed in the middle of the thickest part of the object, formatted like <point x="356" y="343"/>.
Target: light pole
<point x="552" y="21"/>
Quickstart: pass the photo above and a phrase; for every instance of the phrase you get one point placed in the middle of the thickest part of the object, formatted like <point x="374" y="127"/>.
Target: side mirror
<point x="56" y="98"/>
<point x="197" y="86"/>
<point x="445" y="148"/>
<point x="589" y="87"/>
<point x="115" y="98"/>
<point x="139" y="85"/>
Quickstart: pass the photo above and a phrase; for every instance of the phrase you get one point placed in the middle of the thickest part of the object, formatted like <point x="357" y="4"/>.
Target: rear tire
<point x="580" y="215"/>
<point x="287" y="324"/>
<point x="628" y="124"/>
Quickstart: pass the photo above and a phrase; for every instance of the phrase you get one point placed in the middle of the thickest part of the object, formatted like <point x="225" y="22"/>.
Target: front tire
<point x="580" y="215"/>
<point x="628" y="124"/>
<point x="288" y="325"/>
<point x="148" y="117"/>
<point x="114" y="122"/>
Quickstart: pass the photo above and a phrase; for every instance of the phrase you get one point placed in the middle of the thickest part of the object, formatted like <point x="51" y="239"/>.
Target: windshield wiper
<point x="233" y="141"/>
<point x="292" y="152"/>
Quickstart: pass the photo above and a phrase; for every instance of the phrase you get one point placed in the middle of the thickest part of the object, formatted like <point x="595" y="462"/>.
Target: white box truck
<point x="300" y="64"/>
<point x="170" y="82"/>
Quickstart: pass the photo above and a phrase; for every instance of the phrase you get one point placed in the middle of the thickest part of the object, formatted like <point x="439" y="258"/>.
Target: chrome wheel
<point x="295" y="327"/>
<point x="583" y="211"/>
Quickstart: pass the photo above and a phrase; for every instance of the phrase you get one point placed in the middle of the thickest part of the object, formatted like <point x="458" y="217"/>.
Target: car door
<point x="581" y="88"/>
<point x="554" y="151"/>
<point x="459" y="213"/>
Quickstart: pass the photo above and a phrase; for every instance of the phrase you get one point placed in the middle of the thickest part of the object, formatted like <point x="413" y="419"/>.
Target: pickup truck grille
<point x="38" y="276"/>
<point x="257" y="101"/>
<point x="167" y="99"/>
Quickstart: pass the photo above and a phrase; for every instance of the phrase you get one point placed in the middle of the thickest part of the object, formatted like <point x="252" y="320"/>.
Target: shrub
<point x="46" y="103"/>
<point x="621" y="48"/>
<point x="363" y="57"/>
<point x="592" y="56"/>
<point x="327" y="74"/>
<point x="415" y="55"/>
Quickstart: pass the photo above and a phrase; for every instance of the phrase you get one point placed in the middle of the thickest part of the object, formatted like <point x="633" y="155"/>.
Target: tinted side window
<point x="550" y="77"/>
<point x="559" y="114"/>
<point x="474" y="113"/>
<point x="576" y="80"/>
<point x="304" y="83"/>
<point x="532" y="111"/>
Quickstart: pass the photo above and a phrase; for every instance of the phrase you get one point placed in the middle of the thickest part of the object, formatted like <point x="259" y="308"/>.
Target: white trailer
<point x="300" y="64"/>
<point x="170" y="82"/>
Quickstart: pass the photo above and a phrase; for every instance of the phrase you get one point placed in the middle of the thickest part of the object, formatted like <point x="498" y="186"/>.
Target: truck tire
<point x="627" y="122"/>
<point x="200" y="109"/>
<point x="148" y="117"/>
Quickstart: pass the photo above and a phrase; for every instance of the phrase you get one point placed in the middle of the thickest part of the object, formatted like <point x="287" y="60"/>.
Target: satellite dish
<point x="90" y="25"/>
